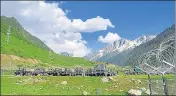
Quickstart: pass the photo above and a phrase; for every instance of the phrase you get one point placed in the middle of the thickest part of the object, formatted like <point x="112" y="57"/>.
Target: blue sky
<point x="131" y="18"/>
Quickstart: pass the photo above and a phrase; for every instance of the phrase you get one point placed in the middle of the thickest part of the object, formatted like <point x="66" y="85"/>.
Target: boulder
<point x="147" y="92"/>
<point x="110" y="78"/>
<point x="143" y="89"/>
<point x="120" y="90"/>
<point x="134" y="92"/>
<point x="64" y="82"/>
<point x="133" y="79"/>
<point x="104" y="79"/>
<point x="84" y="93"/>
<point x="106" y="89"/>
<point x="56" y="85"/>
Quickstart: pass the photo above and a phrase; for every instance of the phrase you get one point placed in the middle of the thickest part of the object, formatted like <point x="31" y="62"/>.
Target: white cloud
<point x="76" y="47"/>
<point x="47" y="21"/>
<point x="109" y="38"/>
<point x="91" y="25"/>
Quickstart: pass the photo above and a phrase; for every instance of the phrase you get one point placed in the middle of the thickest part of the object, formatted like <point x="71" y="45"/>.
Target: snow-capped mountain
<point x="118" y="46"/>
<point x="143" y="39"/>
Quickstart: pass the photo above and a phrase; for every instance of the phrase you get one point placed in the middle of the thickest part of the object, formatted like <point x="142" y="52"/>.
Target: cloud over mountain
<point x="109" y="38"/>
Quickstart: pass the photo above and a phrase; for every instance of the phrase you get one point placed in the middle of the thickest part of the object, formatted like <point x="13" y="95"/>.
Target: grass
<point x="168" y="76"/>
<point x="46" y="85"/>
<point x="50" y="85"/>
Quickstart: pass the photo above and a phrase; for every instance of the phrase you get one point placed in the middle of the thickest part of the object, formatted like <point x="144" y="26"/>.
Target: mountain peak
<point x="119" y="46"/>
<point x="143" y="39"/>
<point x="146" y="37"/>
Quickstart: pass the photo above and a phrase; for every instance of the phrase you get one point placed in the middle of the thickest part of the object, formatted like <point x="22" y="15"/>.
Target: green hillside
<point x="21" y="45"/>
<point x="28" y="37"/>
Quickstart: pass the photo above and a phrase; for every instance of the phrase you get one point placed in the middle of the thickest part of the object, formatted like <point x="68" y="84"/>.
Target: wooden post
<point x="175" y="53"/>
<point x="164" y="85"/>
<point x="150" y="88"/>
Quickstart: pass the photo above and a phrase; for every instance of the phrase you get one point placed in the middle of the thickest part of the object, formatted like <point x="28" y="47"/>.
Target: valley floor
<point x="50" y="85"/>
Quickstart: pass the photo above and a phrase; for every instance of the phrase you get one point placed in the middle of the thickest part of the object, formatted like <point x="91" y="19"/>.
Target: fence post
<point x="164" y="85"/>
<point x="150" y="88"/>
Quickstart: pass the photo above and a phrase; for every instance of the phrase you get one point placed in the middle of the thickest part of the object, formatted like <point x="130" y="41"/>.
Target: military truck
<point x="73" y="72"/>
<point x="50" y="72"/>
<point x="56" y="72"/>
<point x="39" y="71"/>
<point x="90" y="72"/>
<point x="68" y="72"/>
<point x="79" y="71"/>
<point x="112" y="72"/>
<point x="100" y="70"/>
<point x="132" y="71"/>
<point x="23" y="72"/>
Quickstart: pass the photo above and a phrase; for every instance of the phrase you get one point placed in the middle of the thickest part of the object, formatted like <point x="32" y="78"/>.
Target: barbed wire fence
<point x="144" y="64"/>
<point x="159" y="60"/>
<point x="166" y="55"/>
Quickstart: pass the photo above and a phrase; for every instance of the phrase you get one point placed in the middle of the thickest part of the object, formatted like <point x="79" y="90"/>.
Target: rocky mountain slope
<point x="133" y="56"/>
<point x="120" y="46"/>
<point x="126" y="52"/>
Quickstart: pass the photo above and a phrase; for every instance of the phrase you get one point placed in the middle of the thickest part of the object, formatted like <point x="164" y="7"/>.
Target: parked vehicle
<point x="22" y="72"/>
<point x="98" y="70"/>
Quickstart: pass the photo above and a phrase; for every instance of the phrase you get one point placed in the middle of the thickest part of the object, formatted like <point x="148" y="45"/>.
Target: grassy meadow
<point x="76" y="85"/>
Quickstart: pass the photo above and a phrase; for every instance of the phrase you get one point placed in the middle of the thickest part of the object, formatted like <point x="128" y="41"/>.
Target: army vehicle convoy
<point x="98" y="70"/>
